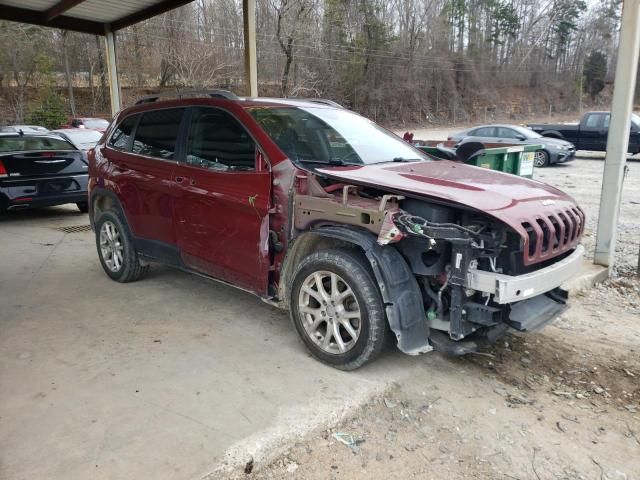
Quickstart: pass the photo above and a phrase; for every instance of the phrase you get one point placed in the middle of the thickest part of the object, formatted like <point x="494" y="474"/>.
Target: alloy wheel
<point x="540" y="158"/>
<point x="330" y="312"/>
<point x="111" y="247"/>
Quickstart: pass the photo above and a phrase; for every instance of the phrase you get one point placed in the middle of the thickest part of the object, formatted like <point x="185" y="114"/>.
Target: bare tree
<point x="67" y="71"/>
<point x="195" y="65"/>
<point x="397" y="61"/>
<point x="290" y="16"/>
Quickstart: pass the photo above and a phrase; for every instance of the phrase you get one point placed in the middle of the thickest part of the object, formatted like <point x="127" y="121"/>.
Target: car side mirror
<point x="521" y="137"/>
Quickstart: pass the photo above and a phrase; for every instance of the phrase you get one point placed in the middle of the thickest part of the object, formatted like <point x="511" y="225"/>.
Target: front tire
<point x="541" y="158"/>
<point x="116" y="251"/>
<point x="337" y="309"/>
<point x="83" y="207"/>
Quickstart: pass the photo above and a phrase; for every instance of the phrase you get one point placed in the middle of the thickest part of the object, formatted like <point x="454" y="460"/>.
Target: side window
<point x="484" y="132"/>
<point x="120" y="138"/>
<point x="607" y="118"/>
<point x="594" y="120"/>
<point x="504" y="132"/>
<point x="217" y="141"/>
<point x="157" y="133"/>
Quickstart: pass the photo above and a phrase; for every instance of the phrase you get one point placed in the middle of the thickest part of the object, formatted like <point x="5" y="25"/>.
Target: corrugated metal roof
<point x="90" y="16"/>
<point x="38" y="5"/>
<point x="108" y="12"/>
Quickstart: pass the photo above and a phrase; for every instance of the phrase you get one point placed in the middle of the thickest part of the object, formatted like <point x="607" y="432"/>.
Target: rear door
<point x="482" y="134"/>
<point x="222" y="217"/>
<point x="142" y="169"/>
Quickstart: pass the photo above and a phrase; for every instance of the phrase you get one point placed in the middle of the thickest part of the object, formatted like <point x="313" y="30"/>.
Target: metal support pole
<point x="250" y="56"/>
<point x="619" y="127"/>
<point x="112" y="71"/>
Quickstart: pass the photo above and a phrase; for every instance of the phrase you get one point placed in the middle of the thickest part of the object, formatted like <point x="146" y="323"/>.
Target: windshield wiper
<point x="332" y="162"/>
<point x="402" y="159"/>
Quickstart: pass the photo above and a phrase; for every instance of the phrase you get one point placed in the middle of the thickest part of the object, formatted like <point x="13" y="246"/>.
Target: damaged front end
<point x="473" y="273"/>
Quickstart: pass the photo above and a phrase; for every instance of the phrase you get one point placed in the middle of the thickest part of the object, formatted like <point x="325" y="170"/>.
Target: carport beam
<point x="618" y="139"/>
<point x="112" y="69"/>
<point x="250" y="55"/>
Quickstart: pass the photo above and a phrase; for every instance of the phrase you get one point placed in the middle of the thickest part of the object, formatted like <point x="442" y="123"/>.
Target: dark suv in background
<point x="319" y="210"/>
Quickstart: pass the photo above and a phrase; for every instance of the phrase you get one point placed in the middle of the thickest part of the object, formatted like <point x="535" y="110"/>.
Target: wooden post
<point x="250" y="55"/>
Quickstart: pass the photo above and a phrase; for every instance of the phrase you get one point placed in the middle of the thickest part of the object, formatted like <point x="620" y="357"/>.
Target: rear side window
<point x="484" y="132"/>
<point x="217" y="141"/>
<point x="157" y="133"/>
<point x="122" y="134"/>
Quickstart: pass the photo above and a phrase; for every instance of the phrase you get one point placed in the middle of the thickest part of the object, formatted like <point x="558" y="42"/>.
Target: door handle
<point x="179" y="179"/>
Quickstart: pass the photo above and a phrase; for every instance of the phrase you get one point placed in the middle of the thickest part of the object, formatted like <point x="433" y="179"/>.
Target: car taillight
<point x="3" y="171"/>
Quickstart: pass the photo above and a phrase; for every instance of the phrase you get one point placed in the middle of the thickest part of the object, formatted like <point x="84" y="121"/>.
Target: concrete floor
<point x="154" y="379"/>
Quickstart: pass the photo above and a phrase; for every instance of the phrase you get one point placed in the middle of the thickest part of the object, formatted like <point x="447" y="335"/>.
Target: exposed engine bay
<point x="469" y="267"/>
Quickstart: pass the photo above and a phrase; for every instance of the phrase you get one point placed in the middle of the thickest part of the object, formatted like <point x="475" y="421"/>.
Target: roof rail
<point x="216" y="93"/>
<point x="323" y="101"/>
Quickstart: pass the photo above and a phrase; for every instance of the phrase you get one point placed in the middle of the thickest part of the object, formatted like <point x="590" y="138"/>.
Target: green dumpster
<point x="514" y="159"/>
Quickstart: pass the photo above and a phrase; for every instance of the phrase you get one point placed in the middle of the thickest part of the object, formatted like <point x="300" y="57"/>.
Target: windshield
<point x="95" y="123"/>
<point x="28" y="143"/>
<point x="331" y="136"/>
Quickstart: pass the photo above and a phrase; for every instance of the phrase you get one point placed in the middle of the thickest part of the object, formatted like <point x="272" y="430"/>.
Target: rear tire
<point x="83" y="207"/>
<point x="337" y="309"/>
<point x="116" y="251"/>
<point x="541" y="159"/>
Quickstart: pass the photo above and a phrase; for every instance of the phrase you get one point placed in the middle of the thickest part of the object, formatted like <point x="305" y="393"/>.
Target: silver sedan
<point x="554" y="150"/>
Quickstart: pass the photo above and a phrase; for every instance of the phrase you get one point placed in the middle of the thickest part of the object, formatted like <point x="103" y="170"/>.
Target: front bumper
<point x="562" y="156"/>
<point x="509" y="289"/>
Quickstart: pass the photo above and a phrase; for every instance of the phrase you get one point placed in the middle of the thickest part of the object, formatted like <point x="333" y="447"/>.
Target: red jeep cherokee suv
<point x="319" y="210"/>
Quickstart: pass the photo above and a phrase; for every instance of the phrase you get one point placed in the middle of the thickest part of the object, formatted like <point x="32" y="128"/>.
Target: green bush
<point x="595" y="72"/>
<point x="51" y="112"/>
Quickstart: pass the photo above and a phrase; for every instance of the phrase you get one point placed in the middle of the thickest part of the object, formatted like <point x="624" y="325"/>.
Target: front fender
<point x="398" y="286"/>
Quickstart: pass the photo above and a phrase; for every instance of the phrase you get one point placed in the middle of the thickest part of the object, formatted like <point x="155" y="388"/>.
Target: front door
<point x="509" y="136"/>
<point x="222" y="217"/>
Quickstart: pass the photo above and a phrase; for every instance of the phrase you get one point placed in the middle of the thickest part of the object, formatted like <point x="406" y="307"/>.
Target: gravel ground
<point x="562" y="403"/>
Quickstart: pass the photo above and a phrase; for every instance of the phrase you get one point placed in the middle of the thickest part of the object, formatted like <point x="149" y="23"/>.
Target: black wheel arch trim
<point x="398" y="286"/>
<point x="552" y="134"/>
<point x="103" y="192"/>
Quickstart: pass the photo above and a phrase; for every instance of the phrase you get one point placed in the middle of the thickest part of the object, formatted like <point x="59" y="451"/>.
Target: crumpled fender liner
<point x="398" y="286"/>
